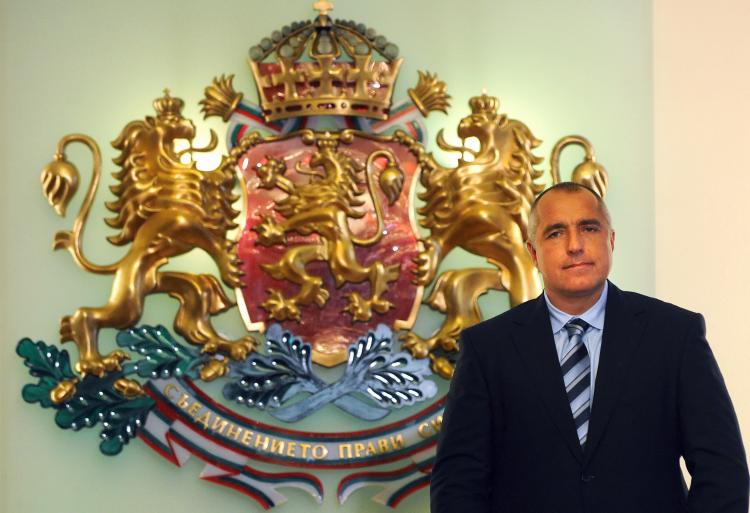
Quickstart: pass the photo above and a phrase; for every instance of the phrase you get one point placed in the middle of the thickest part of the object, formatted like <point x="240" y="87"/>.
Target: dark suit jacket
<point x="508" y="443"/>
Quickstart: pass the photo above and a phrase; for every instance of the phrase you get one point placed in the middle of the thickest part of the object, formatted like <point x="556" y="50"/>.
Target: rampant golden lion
<point x="482" y="206"/>
<point x="323" y="206"/>
<point x="164" y="208"/>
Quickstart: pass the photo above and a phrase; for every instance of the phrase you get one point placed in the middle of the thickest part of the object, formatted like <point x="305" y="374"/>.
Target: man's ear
<point x="532" y="250"/>
<point x="612" y="240"/>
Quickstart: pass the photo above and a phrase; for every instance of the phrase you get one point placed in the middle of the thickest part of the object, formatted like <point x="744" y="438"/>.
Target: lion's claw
<point x="99" y="366"/>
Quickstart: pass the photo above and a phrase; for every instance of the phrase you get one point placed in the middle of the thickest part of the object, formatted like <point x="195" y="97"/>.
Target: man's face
<point x="572" y="246"/>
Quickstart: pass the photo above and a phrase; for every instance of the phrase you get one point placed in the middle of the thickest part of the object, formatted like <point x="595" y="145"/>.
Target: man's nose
<point x="575" y="243"/>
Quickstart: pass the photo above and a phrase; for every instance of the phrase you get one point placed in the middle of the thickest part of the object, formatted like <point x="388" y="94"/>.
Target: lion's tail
<point x="59" y="184"/>
<point x="391" y="183"/>
<point x="554" y="159"/>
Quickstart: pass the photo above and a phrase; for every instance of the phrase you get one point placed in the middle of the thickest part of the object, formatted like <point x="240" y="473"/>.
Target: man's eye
<point x="554" y="235"/>
<point x="591" y="229"/>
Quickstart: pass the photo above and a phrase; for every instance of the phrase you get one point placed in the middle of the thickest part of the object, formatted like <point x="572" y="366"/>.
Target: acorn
<point x="128" y="388"/>
<point x="214" y="369"/>
<point x="64" y="390"/>
<point x="441" y="366"/>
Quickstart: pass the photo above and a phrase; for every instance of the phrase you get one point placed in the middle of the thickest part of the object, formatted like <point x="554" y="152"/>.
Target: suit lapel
<point x="534" y="341"/>
<point x="623" y="331"/>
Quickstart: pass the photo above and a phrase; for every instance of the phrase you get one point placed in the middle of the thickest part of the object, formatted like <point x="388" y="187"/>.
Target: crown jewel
<point x="325" y="67"/>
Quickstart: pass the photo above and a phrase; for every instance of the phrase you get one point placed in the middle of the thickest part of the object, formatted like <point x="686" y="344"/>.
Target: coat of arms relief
<point x="328" y="220"/>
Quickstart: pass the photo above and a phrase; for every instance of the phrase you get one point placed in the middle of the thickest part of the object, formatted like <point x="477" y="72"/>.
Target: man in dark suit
<point x="584" y="399"/>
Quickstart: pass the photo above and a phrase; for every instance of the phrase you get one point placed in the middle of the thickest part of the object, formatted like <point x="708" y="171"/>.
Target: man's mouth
<point x="577" y="265"/>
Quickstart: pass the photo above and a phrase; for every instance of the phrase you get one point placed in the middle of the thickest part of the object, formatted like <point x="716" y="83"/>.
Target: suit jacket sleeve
<point x="709" y="431"/>
<point x="461" y="475"/>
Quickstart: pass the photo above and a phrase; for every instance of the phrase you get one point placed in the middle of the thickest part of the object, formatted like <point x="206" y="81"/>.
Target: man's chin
<point x="585" y="288"/>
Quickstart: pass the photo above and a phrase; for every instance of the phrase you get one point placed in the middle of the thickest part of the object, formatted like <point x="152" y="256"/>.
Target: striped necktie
<point x="576" y="370"/>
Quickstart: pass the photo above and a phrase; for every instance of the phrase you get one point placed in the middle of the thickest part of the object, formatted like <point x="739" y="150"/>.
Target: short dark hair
<point x="569" y="187"/>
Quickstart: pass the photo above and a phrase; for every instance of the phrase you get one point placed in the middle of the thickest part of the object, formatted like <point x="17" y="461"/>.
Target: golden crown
<point x="168" y="105"/>
<point x="325" y="67"/>
<point x="484" y="104"/>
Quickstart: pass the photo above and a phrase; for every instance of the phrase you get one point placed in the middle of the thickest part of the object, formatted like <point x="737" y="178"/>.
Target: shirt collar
<point x="594" y="315"/>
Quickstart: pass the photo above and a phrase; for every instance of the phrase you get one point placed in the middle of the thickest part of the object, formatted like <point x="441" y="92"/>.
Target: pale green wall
<point x="562" y="66"/>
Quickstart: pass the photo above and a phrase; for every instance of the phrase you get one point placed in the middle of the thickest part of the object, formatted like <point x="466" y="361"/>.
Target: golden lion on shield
<point x="164" y="208"/>
<point x="323" y="206"/>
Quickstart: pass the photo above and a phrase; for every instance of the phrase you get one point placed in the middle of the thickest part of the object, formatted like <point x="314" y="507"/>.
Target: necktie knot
<point x="576" y="327"/>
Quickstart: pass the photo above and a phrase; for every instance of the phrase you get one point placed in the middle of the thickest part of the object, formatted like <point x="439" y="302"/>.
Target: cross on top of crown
<point x="323" y="7"/>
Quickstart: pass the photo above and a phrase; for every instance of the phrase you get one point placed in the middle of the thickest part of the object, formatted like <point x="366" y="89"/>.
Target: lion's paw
<point x="113" y="361"/>
<point x="99" y="366"/>
<point x="279" y="307"/>
<point x="448" y="343"/>
<point x="426" y="264"/>
<point x="232" y="276"/>
<point x="240" y="349"/>
<point x="359" y="308"/>
<point x="270" y="233"/>
<point x="380" y="305"/>
<point x="417" y="346"/>
<point x="321" y="297"/>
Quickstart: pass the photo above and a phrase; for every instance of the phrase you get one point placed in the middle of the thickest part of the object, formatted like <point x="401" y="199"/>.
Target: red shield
<point x="319" y="257"/>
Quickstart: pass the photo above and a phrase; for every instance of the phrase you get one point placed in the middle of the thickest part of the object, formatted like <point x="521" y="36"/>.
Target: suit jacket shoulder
<point x="659" y="316"/>
<point x="637" y="301"/>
